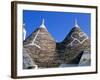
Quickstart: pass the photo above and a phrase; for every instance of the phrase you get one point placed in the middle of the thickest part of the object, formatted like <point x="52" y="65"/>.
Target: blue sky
<point x="58" y="24"/>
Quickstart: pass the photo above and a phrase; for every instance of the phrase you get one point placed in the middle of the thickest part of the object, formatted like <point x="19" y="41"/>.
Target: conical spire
<point x="43" y="24"/>
<point x="76" y="24"/>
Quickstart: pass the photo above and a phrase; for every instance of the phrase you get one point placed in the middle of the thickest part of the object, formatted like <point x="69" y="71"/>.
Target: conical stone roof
<point x="74" y="43"/>
<point x="42" y="46"/>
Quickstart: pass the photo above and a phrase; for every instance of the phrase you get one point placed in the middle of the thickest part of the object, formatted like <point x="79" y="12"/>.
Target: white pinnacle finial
<point x="76" y="24"/>
<point x="43" y="21"/>
<point x="42" y="25"/>
<point x="24" y="32"/>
